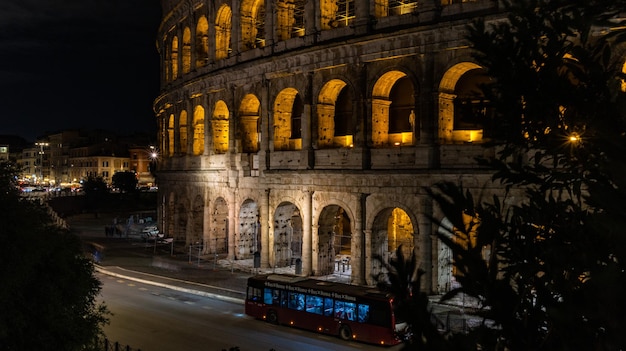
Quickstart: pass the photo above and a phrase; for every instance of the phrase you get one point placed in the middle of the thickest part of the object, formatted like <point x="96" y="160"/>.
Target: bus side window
<point x="350" y="308"/>
<point x="296" y="301"/>
<point x="255" y="294"/>
<point x="314" y="304"/>
<point x="363" y="313"/>
<point x="276" y="297"/>
<point x="267" y="296"/>
<point x="328" y="307"/>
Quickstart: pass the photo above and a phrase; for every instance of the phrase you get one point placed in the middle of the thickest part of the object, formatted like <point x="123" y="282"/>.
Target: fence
<point x="107" y="345"/>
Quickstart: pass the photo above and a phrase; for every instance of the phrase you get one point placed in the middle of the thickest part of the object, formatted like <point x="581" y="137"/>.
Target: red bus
<point x="349" y="311"/>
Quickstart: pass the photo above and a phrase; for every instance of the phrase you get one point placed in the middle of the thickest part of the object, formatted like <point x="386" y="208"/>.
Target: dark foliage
<point x="48" y="295"/>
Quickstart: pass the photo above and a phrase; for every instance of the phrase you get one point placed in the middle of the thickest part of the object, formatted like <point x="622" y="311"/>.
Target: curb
<point x="103" y="270"/>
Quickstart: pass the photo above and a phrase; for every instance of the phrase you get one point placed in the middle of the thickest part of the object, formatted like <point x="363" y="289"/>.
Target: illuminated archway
<point x="198" y="130"/>
<point x="223" y="23"/>
<point x="464" y="113"/>
<point x="336" y="13"/>
<point x="186" y="50"/>
<point x="334" y="241"/>
<point x="182" y="127"/>
<point x="252" y="24"/>
<point x="392" y="228"/>
<point x="287" y="235"/>
<point x="218" y="239"/>
<point x="219" y="123"/>
<point x="288" y="109"/>
<point x="249" y="237"/>
<point x="202" y="42"/>
<point x="334" y="115"/>
<point x="289" y="19"/>
<point x="393" y="115"/>
<point x="249" y="114"/>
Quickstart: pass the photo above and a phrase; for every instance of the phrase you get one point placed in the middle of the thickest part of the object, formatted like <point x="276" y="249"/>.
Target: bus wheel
<point x="345" y="333"/>
<point x="272" y="317"/>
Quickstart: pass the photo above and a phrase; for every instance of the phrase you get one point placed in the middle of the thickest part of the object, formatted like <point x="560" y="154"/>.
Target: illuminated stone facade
<point x="307" y="130"/>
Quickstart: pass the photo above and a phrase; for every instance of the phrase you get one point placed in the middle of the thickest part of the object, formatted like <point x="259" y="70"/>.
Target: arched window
<point x="222" y="32"/>
<point x="186" y="50"/>
<point x="393" y="116"/>
<point x="198" y="130"/>
<point x="249" y="115"/>
<point x="202" y="42"/>
<point x="465" y="115"/>
<point x="252" y="24"/>
<point x="289" y="19"/>
<point x="336" y="13"/>
<point x="335" y="122"/>
<point x="288" y="109"/>
<point x="220" y="127"/>
<point x="182" y="127"/>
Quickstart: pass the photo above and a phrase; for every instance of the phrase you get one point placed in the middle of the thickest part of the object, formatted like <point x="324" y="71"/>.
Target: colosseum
<point x="305" y="133"/>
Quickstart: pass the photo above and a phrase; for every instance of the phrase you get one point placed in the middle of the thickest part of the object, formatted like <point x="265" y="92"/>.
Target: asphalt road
<point x="152" y="318"/>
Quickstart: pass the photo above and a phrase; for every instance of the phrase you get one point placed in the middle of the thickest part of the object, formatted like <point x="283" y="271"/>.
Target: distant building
<point x="4" y="152"/>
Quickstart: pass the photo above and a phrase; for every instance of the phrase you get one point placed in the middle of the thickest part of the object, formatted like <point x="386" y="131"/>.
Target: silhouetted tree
<point x="554" y="279"/>
<point x="125" y="181"/>
<point x="49" y="290"/>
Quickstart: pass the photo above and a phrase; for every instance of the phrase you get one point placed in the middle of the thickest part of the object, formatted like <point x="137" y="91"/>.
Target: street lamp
<point x="41" y="153"/>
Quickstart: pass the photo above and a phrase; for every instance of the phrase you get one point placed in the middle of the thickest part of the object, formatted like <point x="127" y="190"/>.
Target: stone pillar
<point x="265" y="228"/>
<point x="307" y="221"/>
<point x="359" y="243"/>
<point x="232" y="223"/>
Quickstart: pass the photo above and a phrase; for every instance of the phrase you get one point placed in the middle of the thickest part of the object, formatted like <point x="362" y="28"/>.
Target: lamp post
<point x="41" y="153"/>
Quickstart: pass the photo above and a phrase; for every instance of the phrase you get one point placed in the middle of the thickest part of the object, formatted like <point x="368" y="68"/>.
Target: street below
<point x="152" y="318"/>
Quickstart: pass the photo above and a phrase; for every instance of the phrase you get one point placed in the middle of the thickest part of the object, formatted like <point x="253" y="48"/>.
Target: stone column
<point x="232" y="223"/>
<point x="307" y="221"/>
<point x="359" y="244"/>
<point x="265" y="224"/>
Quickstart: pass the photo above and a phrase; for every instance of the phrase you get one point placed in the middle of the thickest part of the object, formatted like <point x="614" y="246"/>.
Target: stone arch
<point x="197" y="220"/>
<point x="288" y="110"/>
<point x="218" y="236"/>
<point x="289" y="19"/>
<point x="335" y="117"/>
<point x="170" y="135"/>
<point x="182" y="132"/>
<point x="252" y="24"/>
<point x="287" y="241"/>
<point x="186" y="50"/>
<point x="393" y="110"/>
<point x="249" y="116"/>
<point x="219" y="123"/>
<point x="202" y="42"/>
<point x="223" y="24"/>
<point x="198" y="130"/>
<point x="392" y="228"/>
<point x="248" y="239"/>
<point x="334" y="240"/>
<point x="464" y="112"/>
<point x="174" y="57"/>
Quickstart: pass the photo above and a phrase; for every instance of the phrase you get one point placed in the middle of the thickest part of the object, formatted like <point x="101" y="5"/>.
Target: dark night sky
<point x="78" y="64"/>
